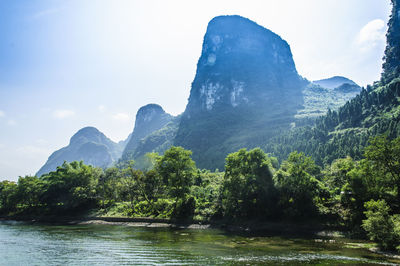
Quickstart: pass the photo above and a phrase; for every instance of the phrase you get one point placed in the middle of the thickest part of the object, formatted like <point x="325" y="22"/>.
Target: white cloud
<point x="2" y="114"/>
<point x="63" y="113"/>
<point x="101" y="108"/>
<point x="121" y="117"/>
<point x="371" y="35"/>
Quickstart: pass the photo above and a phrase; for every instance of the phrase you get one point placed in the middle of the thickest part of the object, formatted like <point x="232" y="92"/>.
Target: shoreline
<point x="246" y="227"/>
<point x="147" y="224"/>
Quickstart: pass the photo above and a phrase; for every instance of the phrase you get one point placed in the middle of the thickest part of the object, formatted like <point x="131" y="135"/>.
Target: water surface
<point x="24" y="244"/>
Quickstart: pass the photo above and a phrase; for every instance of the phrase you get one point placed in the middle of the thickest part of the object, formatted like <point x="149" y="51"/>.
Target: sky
<point x="65" y="65"/>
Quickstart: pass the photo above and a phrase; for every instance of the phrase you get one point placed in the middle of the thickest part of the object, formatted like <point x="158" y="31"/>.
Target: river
<point x="27" y="244"/>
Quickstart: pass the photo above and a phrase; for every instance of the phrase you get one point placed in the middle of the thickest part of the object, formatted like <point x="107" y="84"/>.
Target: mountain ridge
<point x="88" y="145"/>
<point x="246" y="90"/>
<point x="149" y="118"/>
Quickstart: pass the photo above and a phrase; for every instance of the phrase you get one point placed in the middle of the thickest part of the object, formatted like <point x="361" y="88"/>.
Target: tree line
<point x="361" y="195"/>
<point x="345" y="132"/>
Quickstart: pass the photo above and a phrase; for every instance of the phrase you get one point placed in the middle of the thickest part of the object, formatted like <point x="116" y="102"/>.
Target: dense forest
<point x="346" y="132"/>
<point x="351" y="194"/>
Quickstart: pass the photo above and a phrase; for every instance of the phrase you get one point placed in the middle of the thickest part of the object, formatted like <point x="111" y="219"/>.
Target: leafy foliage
<point x="297" y="185"/>
<point x="177" y="170"/>
<point x="381" y="226"/>
<point x="248" y="189"/>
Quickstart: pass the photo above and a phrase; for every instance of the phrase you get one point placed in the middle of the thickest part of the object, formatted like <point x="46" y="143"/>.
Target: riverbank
<point x="249" y="227"/>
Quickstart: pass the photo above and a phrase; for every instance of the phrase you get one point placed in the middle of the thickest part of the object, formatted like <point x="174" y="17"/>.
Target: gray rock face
<point x="149" y="118"/>
<point x="245" y="90"/>
<point x="88" y="145"/>
<point x="241" y="63"/>
<point x="391" y="59"/>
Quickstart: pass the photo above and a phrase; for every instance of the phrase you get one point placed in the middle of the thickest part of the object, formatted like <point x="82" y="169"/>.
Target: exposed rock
<point x="246" y="89"/>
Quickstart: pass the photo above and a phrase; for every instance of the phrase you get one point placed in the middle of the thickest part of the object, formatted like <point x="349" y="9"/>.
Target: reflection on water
<point x="23" y="244"/>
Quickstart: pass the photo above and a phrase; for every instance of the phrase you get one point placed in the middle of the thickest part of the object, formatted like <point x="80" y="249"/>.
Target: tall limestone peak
<point x="241" y="63"/>
<point x="88" y="145"/>
<point x="148" y="114"/>
<point x="246" y="89"/>
<point x="149" y="118"/>
<point x="391" y="60"/>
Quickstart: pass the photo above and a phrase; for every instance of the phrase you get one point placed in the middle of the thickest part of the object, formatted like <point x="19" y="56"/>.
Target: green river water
<point x="25" y="244"/>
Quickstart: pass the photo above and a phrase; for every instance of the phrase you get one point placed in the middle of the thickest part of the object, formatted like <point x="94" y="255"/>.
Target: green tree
<point x="30" y="190"/>
<point x="152" y="186"/>
<point x="380" y="225"/>
<point x="72" y="186"/>
<point x="336" y="179"/>
<point x="248" y="189"/>
<point x="177" y="169"/>
<point x="336" y="174"/>
<point x="109" y="186"/>
<point x="207" y="191"/>
<point x="298" y="186"/>
<point x="131" y="183"/>
<point x="150" y="161"/>
<point x="8" y="196"/>
<point x="384" y="157"/>
<point x="375" y="177"/>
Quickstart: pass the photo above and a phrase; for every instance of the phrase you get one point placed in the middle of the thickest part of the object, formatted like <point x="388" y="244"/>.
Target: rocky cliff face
<point x="149" y="118"/>
<point x="88" y="145"/>
<point x="241" y="63"/>
<point x="245" y="90"/>
<point x="391" y="60"/>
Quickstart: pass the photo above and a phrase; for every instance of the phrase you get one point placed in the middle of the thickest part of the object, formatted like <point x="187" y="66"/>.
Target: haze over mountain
<point x="326" y="94"/>
<point x="246" y="90"/>
<point x="88" y="145"/>
<point x="334" y="82"/>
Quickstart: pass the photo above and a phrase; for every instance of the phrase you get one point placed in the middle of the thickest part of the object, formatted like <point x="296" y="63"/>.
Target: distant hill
<point x="149" y="119"/>
<point x="331" y="93"/>
<point x="334" y="82"/>
<point x="88" y="145"/>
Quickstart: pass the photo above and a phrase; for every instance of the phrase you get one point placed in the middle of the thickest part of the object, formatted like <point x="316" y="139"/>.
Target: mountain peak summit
<point x="149" y="118"/>
<point x="245" y="74"/>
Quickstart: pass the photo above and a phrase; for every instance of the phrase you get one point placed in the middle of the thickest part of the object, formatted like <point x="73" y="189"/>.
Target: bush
<point x="164" y="208"/>
<point x="185" y="209"/>
<point x="381" y="227"/>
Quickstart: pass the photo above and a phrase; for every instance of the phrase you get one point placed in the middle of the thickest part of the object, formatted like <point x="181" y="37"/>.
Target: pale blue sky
<point x="69" y="64"/>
